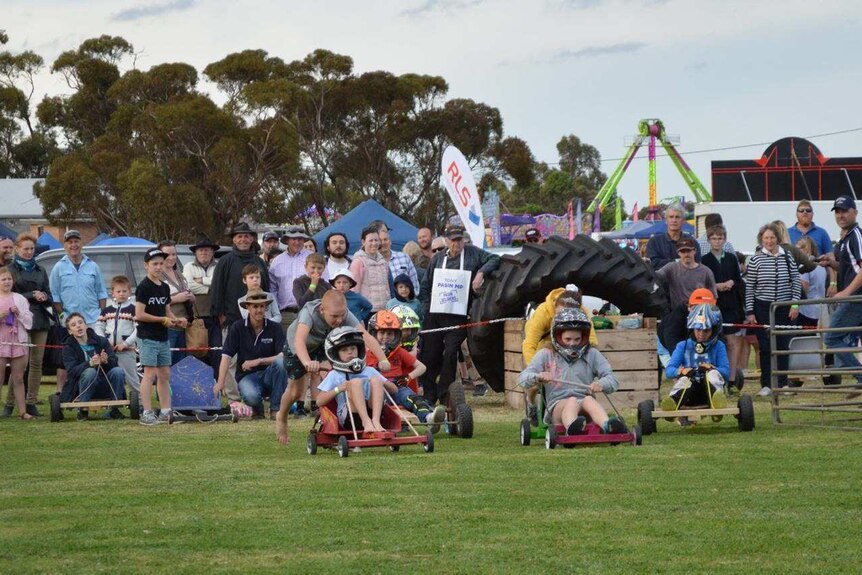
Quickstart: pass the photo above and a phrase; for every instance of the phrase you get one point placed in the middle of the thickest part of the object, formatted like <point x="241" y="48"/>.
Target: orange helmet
<point x="385" y="320"/>
<point x="701" y="296"/>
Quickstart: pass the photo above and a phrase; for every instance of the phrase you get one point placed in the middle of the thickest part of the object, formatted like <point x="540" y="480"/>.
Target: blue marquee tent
<point x="8" y="232"/>
<point x="99" y="239"/>
<point x="352" y="222"/>
<point x="126" y="241"/>
<point x="47" y="239"/>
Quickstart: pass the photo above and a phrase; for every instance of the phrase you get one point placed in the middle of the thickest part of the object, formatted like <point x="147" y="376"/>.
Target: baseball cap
<point x="154" y="253"/>
<point x="701" y="295"/>
<point x="844" y="203"/>
<point x="685" y="242"/>
<point x="269" y="236"/>
<point x="71" y="234"/>
<point x="455" y="233"/>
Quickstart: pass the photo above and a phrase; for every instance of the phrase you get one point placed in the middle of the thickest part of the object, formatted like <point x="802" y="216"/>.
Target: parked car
<point x="119" y="260"/>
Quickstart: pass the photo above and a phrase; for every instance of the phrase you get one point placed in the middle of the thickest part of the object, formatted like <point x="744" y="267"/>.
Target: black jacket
<point x="227" y="286"/>
<point x="475" y="260"/>
<point x="76" y="361"/>
<point x="28" y="282"/>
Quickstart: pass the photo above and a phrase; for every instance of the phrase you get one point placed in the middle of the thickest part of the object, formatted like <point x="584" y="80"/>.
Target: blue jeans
<point x="92" y="381"/>
<point x="271" y="381"/>
<point x="177" y="338"/>
<point x="846" y="315"/>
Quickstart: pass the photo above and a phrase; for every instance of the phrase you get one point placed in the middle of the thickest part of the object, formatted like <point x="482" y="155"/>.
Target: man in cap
<point x="76" y="282"/>
<point x="269" y="247"/>
<point x="661" y="248"/>
<point x="847" y="260"/>
<point x="533" y="236"/>
<point x="257" y="344"/>
<point x="440" y="350"/>
<point x="685" y="275"/>
<point x="286" y="267"/>
<point x="199" y="276"/>
<point x="227" y="286"/>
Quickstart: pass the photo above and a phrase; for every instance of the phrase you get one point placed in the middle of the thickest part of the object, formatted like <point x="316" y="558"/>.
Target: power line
<point x="725" y="148"/>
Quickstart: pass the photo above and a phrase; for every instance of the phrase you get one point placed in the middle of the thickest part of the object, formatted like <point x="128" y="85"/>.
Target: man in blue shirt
<point x="805" y="226"/>
<point x="76" y="282"/>
<point x="661" y="248"/>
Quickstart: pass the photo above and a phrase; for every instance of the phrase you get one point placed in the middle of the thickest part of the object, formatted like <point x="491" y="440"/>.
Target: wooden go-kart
<point x="555" y="435"/>
<point x="648" y="415"/>
<point x="329" y="433"/>
<point x="57" y="405"/>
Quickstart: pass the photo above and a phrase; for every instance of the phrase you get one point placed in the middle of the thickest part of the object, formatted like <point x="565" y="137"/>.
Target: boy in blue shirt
<point x="702" y="352"/>
<point x="352" y="381"/>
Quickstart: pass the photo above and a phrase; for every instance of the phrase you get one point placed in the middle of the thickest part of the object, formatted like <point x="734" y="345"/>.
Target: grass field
<point x="217" y="498"/>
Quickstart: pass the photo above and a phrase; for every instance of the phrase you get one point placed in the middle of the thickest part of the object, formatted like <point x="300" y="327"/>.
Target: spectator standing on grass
<point x="661" y="248"/>
<point x="804" y="263"/>
<point x="199" y="277"/>
<point x="703" y="243"/>
<point x="847" y="260"/>
<point x="399" y="262"/>
<point x="15" y="321"/>
<point x="772" y="275"/>
<point x="7" y="249"/>
<point x="731" y="292"/>
<point x="269" y="247"/>
<point x="685" y="275"/>
<point x="424" y="237"/>
<point x="288" y="266"/>
<point x="227" y="286"/>
<point x="805" y="227"/>
<point x="370" y="270"/>
<point x="117" y="325"/>
<point x="813" y="283"/>
<point x="336" y="247"/>
<point x="31" y="281"/>
<point x="414" y="252"/>
<point x="182" y="298"/>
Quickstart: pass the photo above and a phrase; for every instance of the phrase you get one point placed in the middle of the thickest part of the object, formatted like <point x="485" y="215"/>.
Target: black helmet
<point x="568" y="319"/>
<point x="342" y="337"/>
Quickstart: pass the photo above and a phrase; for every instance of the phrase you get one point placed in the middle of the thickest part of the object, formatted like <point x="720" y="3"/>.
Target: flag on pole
<point x="570" y="213"/>
<point x="597" y="221"/>
<point x="635" y="212"/>
<point x="579" y="218"/>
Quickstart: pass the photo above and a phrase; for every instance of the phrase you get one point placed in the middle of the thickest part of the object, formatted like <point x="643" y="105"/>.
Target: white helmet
<point x="342" y="337"/>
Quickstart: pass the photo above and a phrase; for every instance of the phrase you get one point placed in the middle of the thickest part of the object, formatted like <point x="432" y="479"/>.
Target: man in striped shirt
<point x="847" y="259"/>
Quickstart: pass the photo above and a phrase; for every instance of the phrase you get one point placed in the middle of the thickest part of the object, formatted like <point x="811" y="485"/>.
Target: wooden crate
<point x="631" y="353"/>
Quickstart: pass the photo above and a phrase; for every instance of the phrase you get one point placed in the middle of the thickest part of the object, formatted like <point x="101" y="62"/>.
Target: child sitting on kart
<point x="700" y="363"/>
<point x="572" y="370"/>
<point x="351" y="381"/>
<point x="385" y="327"/>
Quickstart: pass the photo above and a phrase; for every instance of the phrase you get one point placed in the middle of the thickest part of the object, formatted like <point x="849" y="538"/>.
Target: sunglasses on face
<point x="804" y="211"/>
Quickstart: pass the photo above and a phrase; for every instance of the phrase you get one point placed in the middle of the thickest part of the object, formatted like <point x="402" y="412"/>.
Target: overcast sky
<point x="718" y="73"/>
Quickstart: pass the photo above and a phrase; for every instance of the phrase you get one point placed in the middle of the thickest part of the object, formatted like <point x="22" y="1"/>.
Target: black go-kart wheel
<point x="394" y="448"/>
<point x="311" y="444"/>
<point x="456" y="393"/>
<point x="134" y="404"/>
<point x="746" y="413"/>
<point x="54" y="404"/>
<point x="525" y="431"/>
<point x="740" y="379"/>
<point x="429" y="445"/>
<point x="551" y="437"/>
<point x="464" y="415"/>
<point x="343" y="449"/>
<point x="637" y="435"/>
<point x="645" y="419"/>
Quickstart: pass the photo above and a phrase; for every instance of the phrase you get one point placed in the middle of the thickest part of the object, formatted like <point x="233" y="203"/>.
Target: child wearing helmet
<point x="385" y="327"/>
<point x="354" y="385"/>
<point x="410" y="326"/>
<point x="700" y="363"/>
<point x="571" y="371"/>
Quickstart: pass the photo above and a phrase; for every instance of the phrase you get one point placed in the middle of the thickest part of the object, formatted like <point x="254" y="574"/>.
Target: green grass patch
<point x="222" y="498"/>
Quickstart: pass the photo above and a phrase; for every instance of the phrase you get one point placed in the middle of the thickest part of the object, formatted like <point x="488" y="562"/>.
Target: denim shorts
<point x="154" y="353"/>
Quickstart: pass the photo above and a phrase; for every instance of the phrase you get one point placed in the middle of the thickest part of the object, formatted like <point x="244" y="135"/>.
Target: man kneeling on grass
<point x="92" y="368"/>
<point x="304" y="351"/>
<point x="257" y="342"/>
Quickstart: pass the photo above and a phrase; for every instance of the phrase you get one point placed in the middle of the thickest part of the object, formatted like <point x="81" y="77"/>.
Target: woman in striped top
<point x="771" y="276"/>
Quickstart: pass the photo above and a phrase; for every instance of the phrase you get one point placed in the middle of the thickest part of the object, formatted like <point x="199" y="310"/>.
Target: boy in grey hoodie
<point x="572" y="372"/>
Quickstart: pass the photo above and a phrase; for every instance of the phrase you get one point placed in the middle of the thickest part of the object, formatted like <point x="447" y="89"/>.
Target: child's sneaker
<point x="533" y="414"/>
<point x="718" y="400"/>
<point x="148" y="418"/>
<point x="165" y="416"/>
<point x="577" y="426"/>
<point x="437" y="417"/>
<point x="615" y="425"/>
<point x="668" y="404"/>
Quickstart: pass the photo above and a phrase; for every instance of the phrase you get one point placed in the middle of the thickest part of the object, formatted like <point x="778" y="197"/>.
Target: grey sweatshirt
<point x="591" y="367"/>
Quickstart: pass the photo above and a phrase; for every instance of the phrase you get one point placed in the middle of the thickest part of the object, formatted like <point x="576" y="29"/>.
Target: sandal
<point x="25" y="416"/>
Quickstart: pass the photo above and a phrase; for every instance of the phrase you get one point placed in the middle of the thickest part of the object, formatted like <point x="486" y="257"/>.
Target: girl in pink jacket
<point x="15" y="320"/>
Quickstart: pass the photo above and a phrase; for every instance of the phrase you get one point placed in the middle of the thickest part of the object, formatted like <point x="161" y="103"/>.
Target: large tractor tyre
<point x="600" y="269"/>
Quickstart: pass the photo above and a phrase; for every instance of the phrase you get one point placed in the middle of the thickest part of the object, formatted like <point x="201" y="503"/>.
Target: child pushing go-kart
<point x="571" y="371"/>
<point x="700" y="363"/>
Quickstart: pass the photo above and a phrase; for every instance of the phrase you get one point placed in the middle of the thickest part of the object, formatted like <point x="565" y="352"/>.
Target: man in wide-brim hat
<point x="257" y="344"/>
<point x="199" y="275"/>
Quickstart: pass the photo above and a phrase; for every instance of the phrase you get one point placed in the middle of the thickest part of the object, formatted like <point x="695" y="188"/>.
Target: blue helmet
<point x="705" y="316"/>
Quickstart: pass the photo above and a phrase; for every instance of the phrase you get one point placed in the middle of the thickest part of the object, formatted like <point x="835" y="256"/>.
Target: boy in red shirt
<point x="385" y="327"/>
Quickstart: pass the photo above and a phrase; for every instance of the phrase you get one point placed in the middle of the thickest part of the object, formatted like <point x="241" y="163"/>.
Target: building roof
<point x="17" y="199"/>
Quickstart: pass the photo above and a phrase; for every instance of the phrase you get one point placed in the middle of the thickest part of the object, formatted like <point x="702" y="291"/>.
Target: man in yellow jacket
<point x="537" y="331"/>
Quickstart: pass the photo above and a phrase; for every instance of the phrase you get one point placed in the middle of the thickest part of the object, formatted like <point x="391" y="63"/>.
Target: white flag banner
<point x="458" y="180"/>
